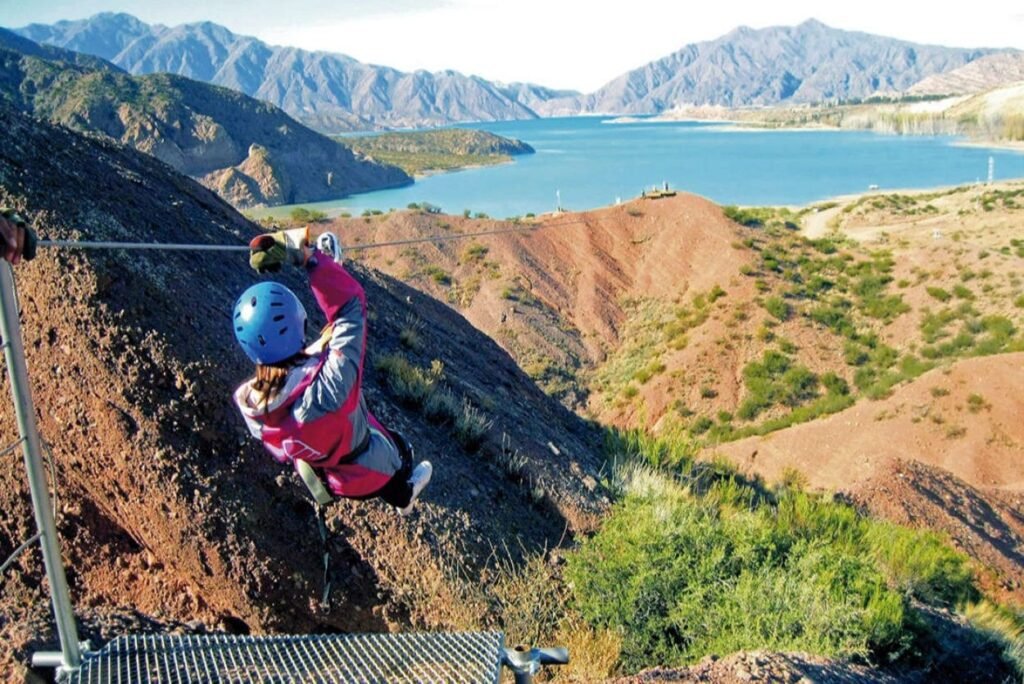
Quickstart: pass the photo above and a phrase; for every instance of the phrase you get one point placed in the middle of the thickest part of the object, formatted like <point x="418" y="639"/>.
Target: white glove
<point x="328" y="244"/>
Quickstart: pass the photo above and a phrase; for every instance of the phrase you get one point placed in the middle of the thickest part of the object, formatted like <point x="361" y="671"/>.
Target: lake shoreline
<point x="580" y="163"/>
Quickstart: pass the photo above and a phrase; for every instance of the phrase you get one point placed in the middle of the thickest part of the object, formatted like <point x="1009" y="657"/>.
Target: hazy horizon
<point x="574" y="45"/>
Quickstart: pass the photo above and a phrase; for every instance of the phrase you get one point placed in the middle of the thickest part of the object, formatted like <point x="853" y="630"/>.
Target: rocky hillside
<point x="329" y="92"/>
<point x="808" y="63"/>
<point x="170" y="517"/>
<point x="986" y="73"/>
<point x="250" y="152"/>
<point x="726" y="327"/>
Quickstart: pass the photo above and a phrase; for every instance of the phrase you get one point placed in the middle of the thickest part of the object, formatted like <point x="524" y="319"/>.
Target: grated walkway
<point x="469" y="658"/>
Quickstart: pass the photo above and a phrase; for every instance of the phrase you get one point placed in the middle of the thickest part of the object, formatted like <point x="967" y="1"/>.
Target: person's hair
<point x="271" y="378"/>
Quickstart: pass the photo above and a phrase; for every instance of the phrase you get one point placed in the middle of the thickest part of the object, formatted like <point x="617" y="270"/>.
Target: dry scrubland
<point x="868" y="346"/>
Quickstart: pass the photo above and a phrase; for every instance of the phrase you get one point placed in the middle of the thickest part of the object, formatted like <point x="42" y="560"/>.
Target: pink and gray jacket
<point x="320" y="415"/>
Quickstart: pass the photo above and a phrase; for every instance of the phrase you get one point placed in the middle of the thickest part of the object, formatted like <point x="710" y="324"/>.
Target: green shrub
<point x="921" y="564"/>
<point x="438" y="275"/>
<point x="775" y="380"/>
<point x="778" y="307"/>
<point x="304" y="215"/>
<point x="939" y="294"/>
<point x="681" y="575"/>
<point x="834" y="384"/>
<point x="649" y="371"/>
<point x="834" y="316"/>
<point x="962" y="292"/>
<point x="701" y="425"/>
<point x="474" y="253"/>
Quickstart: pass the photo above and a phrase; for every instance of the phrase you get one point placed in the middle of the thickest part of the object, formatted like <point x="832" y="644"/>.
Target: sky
<point x="574" y="44"/>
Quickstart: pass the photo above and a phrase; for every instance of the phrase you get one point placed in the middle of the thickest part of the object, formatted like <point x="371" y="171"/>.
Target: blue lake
<point x="592" y="163"/>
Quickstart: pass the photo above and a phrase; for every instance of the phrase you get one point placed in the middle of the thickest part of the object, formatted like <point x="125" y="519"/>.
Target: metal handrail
<point x="14" y="353"/>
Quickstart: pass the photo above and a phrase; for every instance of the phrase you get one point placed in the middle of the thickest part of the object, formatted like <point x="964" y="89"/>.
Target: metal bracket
<point x="525" y="662"/>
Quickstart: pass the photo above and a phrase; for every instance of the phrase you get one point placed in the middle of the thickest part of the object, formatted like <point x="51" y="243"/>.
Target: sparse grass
<point x="441" y="405"/>
<point x="955" y="431"/>
<point x="939" y="294"/>
<point x="976" y="403"/>
<point x="470" y="425"/>
<point x="424" y="388"/>
<point x="1005" y="626"/>
<point x="649" y="371"/>
<point x="409" y="335"/>
<point x="407" y="382"/>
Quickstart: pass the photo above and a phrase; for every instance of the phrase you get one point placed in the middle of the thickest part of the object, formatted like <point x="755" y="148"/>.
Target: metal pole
<point x="14" y="352"/>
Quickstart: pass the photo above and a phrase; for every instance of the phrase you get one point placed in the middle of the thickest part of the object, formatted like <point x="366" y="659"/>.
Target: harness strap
<point x="313" y="483"/>
<point x="361" y="449"/>
<point x="321" y="523"/>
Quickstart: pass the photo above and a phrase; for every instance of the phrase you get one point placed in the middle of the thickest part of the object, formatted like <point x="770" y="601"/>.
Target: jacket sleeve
<point x="343" y="301"/>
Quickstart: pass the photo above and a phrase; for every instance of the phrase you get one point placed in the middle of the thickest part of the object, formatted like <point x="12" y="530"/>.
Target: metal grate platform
<point x="344" y="658"/>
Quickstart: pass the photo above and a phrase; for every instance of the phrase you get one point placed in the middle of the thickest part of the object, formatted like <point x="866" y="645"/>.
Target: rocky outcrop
<point x="201" y="130"/>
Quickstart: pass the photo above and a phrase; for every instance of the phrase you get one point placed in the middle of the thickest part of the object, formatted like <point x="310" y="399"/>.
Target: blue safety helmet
<point x="269" y="322"/>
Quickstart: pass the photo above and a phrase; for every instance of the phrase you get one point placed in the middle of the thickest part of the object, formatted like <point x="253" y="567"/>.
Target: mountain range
<point x="249" y="151"/>
<point x="808" y="63"/>
<point x="332" y="92"/>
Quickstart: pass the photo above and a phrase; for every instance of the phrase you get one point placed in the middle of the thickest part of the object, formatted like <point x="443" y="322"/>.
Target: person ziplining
<point x="305" y="403"/>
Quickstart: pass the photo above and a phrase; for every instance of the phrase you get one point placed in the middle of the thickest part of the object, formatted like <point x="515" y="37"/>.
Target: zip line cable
<point x="179" y="247"/>
<point x="171" y="247"/>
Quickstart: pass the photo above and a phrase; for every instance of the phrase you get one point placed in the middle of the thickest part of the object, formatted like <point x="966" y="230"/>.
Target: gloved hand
<point x="17" y="240"/>
<point x="329" y="245"/>
<point x="267" y="253"/>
